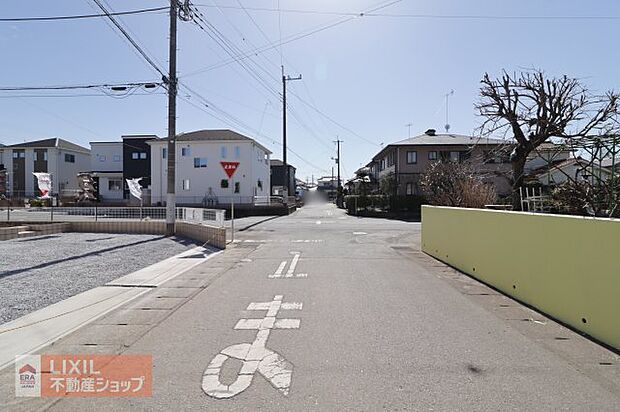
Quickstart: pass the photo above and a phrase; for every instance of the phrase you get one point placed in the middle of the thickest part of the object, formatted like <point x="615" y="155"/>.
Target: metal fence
<point x="214" y="217"/>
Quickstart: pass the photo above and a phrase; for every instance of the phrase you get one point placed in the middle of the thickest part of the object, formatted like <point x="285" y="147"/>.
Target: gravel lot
<point x="36" y="272"/>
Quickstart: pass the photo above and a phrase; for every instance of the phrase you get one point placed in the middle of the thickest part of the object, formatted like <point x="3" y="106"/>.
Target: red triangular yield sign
<point x="230" y="168"/>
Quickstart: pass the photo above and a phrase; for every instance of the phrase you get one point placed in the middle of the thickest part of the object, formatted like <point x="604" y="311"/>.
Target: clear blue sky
<point x="371" y="74"/>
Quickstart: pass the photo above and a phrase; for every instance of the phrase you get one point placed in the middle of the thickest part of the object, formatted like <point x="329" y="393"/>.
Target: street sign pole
<point x="232" y="213"/>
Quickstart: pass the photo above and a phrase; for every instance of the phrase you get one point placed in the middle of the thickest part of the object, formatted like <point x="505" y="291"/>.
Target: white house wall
<point x="106" y="157"/>
<point x="206" y="182"/>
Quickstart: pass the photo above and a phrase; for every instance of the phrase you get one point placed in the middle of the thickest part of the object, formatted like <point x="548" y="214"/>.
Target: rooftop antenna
<point x="408" y="126"/>
<point x="451" y="93"/>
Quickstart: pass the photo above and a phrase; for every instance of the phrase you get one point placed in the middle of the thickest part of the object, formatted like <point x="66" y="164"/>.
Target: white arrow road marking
<point x="255" y="356"/>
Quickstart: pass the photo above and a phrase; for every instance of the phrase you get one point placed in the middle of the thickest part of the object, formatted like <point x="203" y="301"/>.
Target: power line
<point x="131" y="40"/>
<point x="238" y="123"/>
<point x="290" y="39"/>
<point x="82" y="16"/>
<point x="416" y="15"/>
<point x="89" y="86"/>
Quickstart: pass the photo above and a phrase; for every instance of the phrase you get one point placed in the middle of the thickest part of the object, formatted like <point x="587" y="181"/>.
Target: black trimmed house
<point x="278" y="178"/>
<point x="136" y="160"/>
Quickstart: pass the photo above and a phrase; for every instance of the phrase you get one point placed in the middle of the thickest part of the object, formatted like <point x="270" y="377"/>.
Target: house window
<point x="142" y="155"/>
<point x="454" y="156"/>
<point x="237" y="187"/>
<point x="115" y="185"/>
<point x="135" y="155"/>
<point x="69" y="158"/>
<point x="412" y="157"/>
<point x="185" y="184"/>
<point x="200" y="162"/>
<point x="102" y="158"/>
<point x="19" y="154"/>
<point x="464" y="156"/>
<point x="223" y="152"/>
<point x="224" y="183"/>
<point x="185" y="151"/>
<point x="116" y="158"/>
<point x="390" y="159"/>
<point x="409" y="189"/>
<point x="237" y="152"/>
<point x="432" y="155"/>
<point x="163" y="153"/>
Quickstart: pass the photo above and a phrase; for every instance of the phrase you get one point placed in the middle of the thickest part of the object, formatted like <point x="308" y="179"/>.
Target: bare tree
<point x="533" y="108"/>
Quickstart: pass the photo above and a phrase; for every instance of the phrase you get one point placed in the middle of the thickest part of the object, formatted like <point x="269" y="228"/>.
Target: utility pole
<point x="285" y="79"/>
<point x="172" y="120"/>
<point x="338" y="159"/>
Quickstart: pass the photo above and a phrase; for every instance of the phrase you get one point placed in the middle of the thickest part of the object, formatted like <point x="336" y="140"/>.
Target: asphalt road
<point x="363" y="322"/>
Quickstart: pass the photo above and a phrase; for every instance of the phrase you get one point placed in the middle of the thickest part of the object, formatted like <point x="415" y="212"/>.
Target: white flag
<point x="134" y="187"/>
<point x="44" y="181"/>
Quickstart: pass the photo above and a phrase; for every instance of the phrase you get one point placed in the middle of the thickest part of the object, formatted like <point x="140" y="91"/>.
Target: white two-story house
<point x="107" y="169"/>
<point x="63" y="160"/>
<point x="202" y="160"/>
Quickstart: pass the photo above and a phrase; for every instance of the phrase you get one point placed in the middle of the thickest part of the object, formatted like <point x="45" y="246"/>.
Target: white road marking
<point x="280" y="269"/>
<point x="307" y="241"/>
<point x="290" y="273"/>
<point x="291" y="269"/>
<point x="255" y="356"/>
<point x="318" y="222"/>
<point x="360" y="233"/>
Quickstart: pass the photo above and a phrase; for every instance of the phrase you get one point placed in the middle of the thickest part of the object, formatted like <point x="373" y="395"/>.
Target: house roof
<point x="139" y="136"/>
<point x="441" y="139"/>
<point x="51" y="142"/>
<point x="278" y="162"/>
<point x="609" y="162"/>
<point x="561" y="164"/>
<point x="215" y="135"/>
<point x="430" y="138"/>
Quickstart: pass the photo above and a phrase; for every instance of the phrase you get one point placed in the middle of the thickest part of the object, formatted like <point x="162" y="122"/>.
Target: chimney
<point x="430" y="132"/>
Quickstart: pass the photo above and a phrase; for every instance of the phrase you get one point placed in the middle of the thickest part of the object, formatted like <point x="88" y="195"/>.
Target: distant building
<point x="408" y="159"/>
<point x="58" y="157"/>
<point x="107" y="168"/>
<point x="202" y="160"/>
<point x="113" y="162"/>
<point x="137" y="160"/>
<point x="278" y="178"/>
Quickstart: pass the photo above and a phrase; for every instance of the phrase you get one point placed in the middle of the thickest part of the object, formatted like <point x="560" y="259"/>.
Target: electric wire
<point x="81" y="16"/>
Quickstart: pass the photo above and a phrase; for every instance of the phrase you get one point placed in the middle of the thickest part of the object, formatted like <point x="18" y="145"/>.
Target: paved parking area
<point x="39" y="271"/>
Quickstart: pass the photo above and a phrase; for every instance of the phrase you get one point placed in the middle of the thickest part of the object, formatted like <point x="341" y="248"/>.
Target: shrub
<point x="456" y="184"/>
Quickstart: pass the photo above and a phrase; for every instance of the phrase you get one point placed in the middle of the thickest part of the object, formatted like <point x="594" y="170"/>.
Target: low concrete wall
<point x="214" y="236"/>
<point x="12" y="232"/>
<point x="564" y="266"/>
<point x="128" y="226"/>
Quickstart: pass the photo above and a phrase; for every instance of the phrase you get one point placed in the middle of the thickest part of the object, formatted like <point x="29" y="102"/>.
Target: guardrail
<point x="213" y="217"/>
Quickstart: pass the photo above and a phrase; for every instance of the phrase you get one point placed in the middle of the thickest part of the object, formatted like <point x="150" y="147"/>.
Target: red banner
<point x="230" y="168"/>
